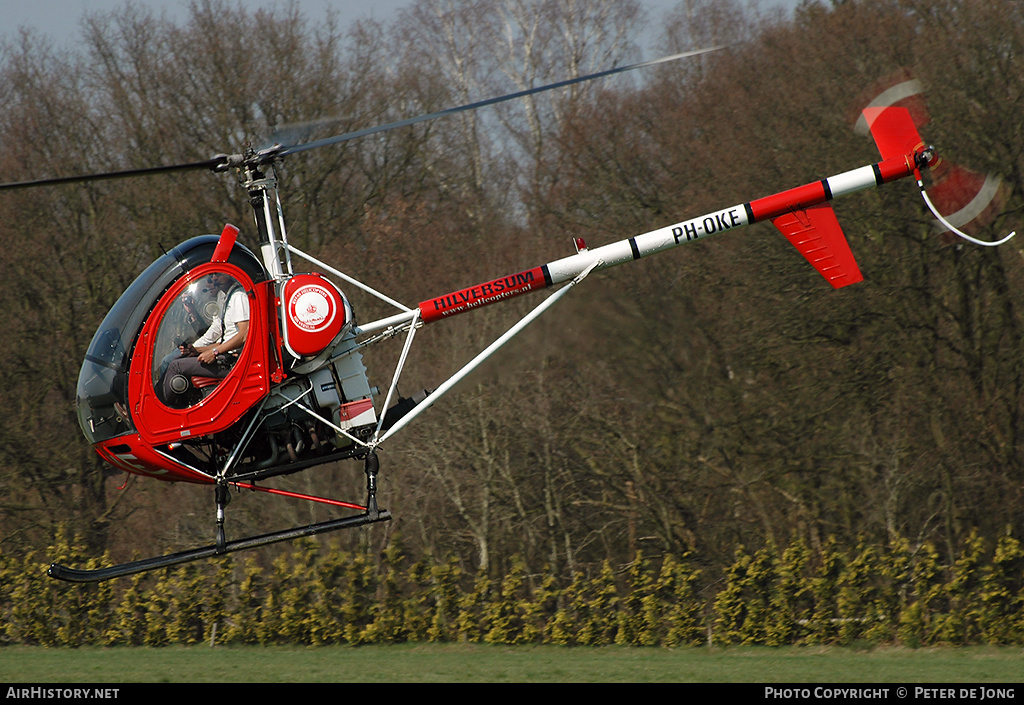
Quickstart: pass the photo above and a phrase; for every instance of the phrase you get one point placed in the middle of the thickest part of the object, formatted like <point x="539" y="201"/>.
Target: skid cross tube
<point x="370" y="514"/>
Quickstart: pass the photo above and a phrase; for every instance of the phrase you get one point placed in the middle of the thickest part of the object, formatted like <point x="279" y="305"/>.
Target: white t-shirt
<point x="237" y="311"/>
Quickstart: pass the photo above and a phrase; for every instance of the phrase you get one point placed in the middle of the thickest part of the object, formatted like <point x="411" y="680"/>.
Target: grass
<point x="470" y="663"/>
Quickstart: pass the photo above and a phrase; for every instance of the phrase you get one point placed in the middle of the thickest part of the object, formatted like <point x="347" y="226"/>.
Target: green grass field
<point x="412" y="663"/>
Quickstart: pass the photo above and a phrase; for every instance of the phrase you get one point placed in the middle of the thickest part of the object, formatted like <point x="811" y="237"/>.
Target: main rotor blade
<point x="293" y="149"/>
<point x="213" y="163"/>
<point x="223" y="161"/>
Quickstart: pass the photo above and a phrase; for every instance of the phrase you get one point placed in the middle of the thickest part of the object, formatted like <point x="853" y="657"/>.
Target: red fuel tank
<point x="314" y="313"/>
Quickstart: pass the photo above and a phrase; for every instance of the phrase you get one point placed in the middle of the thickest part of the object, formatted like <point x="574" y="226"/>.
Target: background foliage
<point x="893" y="595"/>
<point x="713" y="398"/>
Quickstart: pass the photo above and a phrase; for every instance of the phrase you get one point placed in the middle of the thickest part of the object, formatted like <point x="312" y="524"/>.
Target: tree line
<point x="716" y="396"/>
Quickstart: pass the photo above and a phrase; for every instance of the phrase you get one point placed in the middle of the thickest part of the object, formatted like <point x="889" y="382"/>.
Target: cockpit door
<point x="185" y="312"/>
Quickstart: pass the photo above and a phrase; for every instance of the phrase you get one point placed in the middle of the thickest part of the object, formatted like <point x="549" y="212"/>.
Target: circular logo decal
<point x="312" y="308"/>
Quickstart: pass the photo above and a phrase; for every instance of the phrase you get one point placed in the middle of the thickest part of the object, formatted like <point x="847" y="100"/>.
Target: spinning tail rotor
<point x="895" y="111"/>
<point x="896" y="134"/>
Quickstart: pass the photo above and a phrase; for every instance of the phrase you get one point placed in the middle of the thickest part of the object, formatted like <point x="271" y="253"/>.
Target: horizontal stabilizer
<point x="815" y="232"/>
<point x="894" y="131"/>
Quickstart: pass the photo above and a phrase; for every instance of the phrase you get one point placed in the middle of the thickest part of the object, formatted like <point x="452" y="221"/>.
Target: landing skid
<point x="74" y="575"/>
<point x="371" y="514"/>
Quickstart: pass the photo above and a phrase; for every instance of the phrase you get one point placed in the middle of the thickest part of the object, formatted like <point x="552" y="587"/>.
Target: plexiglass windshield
<point x="102" y="397"/>
<point x="200" y="316"/>
<point x="103" y="381"/>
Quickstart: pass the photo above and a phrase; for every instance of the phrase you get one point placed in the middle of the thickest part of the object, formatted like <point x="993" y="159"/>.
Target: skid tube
<point x="370" y="515"/>
<point x="74" y="575"/>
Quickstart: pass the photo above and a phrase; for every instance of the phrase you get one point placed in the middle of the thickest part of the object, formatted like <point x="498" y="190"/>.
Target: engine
<point x="326" y="401"/>
<point x="332" y="404"/>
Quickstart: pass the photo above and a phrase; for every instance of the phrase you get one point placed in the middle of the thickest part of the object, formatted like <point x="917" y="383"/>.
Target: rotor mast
<point x="265" y="200"/>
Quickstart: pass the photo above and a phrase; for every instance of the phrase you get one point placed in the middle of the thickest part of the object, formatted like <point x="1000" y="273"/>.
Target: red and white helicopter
<point x="296" y="393"/>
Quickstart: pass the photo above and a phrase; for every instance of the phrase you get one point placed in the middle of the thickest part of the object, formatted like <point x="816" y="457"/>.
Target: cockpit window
<point x="206" y="313"/>
<point x="184" y="323"/>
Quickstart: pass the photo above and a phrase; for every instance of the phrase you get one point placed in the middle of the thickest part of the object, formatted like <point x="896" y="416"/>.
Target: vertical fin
<point x="815" y="232"/>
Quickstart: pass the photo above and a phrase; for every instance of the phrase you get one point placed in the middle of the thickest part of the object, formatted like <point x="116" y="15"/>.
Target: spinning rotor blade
<point x="217" y="162"/>
<point x="293" y="149"/>
<point x="894" y="131"/>
<point x="224" y="161"/>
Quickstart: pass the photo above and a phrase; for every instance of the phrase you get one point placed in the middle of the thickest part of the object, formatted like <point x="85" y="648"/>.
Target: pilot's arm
<point x="210" y="353"/>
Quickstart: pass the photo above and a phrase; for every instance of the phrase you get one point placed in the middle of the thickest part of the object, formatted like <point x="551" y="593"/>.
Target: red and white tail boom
<point x="803" y="214"/>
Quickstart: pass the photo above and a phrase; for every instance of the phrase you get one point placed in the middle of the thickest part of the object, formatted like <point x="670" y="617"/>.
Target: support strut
<point x="222" y="497"/>
<point x="372" y="467"/>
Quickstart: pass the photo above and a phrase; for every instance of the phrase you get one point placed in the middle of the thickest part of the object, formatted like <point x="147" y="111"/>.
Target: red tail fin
<point x="815" y="232"/>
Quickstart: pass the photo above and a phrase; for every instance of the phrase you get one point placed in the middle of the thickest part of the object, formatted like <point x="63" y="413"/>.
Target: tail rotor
<point x="969" y="200"/>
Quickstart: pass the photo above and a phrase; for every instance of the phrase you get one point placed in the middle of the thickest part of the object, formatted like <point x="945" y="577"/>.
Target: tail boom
<point x="802" y="203"/>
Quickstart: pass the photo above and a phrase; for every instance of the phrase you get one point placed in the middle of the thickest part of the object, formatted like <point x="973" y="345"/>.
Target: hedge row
<point x="892" y="594"/>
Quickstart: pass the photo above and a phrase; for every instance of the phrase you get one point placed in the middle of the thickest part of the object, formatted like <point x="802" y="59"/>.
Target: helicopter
<point x="222" y="366"/>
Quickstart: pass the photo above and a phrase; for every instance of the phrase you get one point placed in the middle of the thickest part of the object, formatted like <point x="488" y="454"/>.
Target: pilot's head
<point x="220" y="281"/>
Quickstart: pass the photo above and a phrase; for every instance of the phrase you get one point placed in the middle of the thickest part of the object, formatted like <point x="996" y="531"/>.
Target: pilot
<point x="213" y="353"/>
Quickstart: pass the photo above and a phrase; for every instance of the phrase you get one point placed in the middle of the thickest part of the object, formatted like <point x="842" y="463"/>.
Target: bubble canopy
<point x="102" y="395"/>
